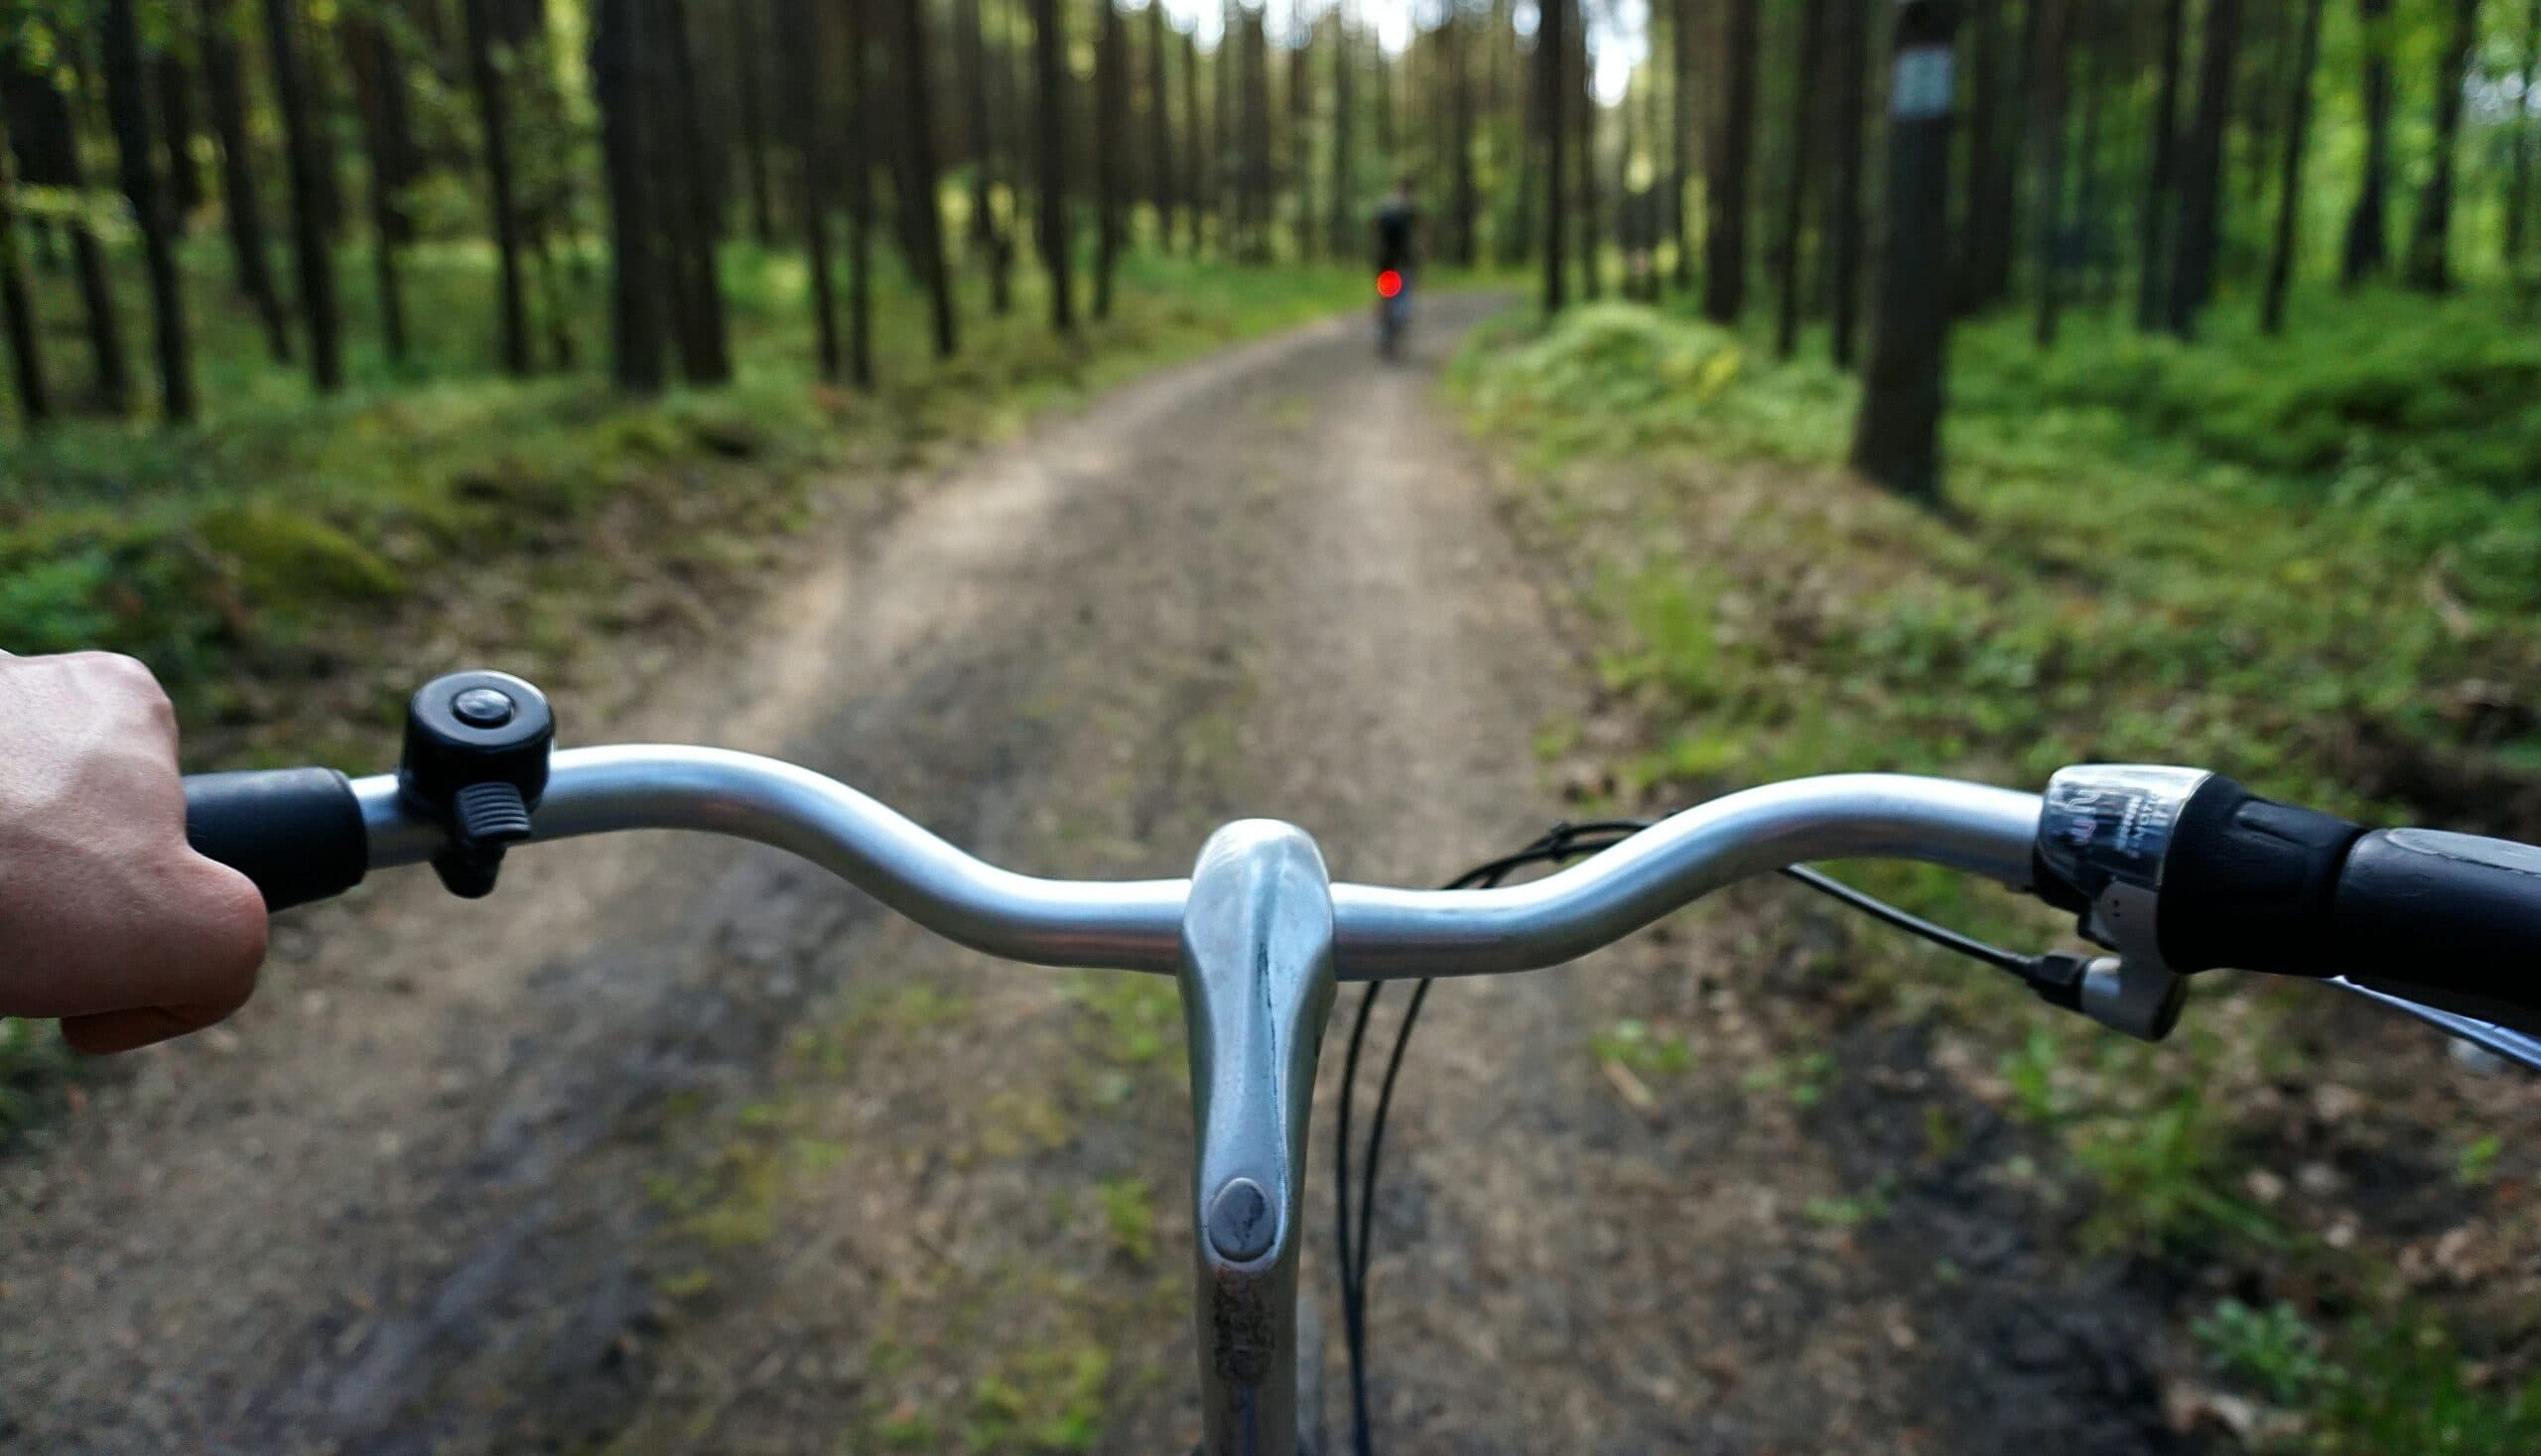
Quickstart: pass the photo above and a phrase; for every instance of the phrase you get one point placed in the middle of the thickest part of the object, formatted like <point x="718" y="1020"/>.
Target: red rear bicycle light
<point x="1389" y="283"/>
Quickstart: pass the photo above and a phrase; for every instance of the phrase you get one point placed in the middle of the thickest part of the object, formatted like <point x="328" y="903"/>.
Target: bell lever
<point x="475" y="763"/>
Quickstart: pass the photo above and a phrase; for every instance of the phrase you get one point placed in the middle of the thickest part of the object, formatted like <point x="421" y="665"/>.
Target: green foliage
<point x="2380" y="1386"/>
<point x="1128" y="1216"/>
<point x="1633" y="1046"/>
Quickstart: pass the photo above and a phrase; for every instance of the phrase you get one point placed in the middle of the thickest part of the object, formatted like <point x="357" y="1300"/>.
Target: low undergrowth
<point x="2310" y="562"/>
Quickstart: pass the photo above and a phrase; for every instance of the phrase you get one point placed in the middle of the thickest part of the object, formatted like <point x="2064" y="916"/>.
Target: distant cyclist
<point x="1398" y="235"/>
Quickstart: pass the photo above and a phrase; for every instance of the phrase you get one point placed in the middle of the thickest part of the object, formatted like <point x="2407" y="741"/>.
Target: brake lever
<point x="2519" y="1047"/>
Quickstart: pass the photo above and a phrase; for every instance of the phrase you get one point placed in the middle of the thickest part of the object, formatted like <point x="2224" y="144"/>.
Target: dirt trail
<point x="679" y="1147"/>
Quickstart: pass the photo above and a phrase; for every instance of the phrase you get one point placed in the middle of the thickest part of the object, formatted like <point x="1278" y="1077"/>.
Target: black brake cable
<point x="1563" y="842"/>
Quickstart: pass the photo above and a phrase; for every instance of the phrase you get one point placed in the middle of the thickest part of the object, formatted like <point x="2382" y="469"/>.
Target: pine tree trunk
<point x="1897" y="440"/>
<point x="1805" y="91"/>
<point x="18" y="308"/>
<point x="636" y="324"/>
<point x="925" y="208"/>
<point x="128" y="108"/>
<point x="175" y="113"/>
<point x="1552" y="46"/>
<point x="1299" y="139"/>
<point x="226" y="91"/>
<point x="378" y="70"/>
<point x="856" y="157"/>
<point x="1049" y="77"/>
<point x="42" y="137"/>
<point x="2368" y="251"/>
<point x="1733" y="147"/>
<point x="494" y="116"/>
<point x="2431" y="233"/>
<point x="1110" y="142"/>
<point x="1844" y="219"/>
<point x="2289" y="187"/>
<point x="2518" y="194"/>
<point x="2152" y="296"/>
<point x="1159" y="125"/>
<point x="1592" y="212"/>
<point x="2050" y="71"/>
<point x="705" y="348"/>
<point x="2202" y="169"/>
<point x="1344" y="191"/>
<point x="1682" y="138"/>
<point x="1196" y="155"/>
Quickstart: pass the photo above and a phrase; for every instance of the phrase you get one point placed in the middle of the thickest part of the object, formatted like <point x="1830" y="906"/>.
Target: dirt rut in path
<point x="676" y="1147"/>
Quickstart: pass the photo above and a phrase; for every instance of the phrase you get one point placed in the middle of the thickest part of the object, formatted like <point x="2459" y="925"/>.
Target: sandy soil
<point x="676" y="1146"/>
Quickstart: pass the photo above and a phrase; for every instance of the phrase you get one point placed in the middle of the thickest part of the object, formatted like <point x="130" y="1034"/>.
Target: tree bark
<point x="2431" y="233"/>
<point x="748" y="68"/>
<point x="856" y="158"/>
<point x="1681" y="128"/>
<point x="493" y="116"/>
<point x="2368" y="251"/>
<point x="1733" y="147"/>
<point x="1110" y="142"/>
<point x="2518" y="194"/>
<point x="225" y="90"/>
<point x="2202" y="169"/>
<point x="371" y="56"/>
<point x="1344" y="190"/>
<point x="176" y="102"/>
<point x="1897" y="440"/>
<point x="926" y="207"/>
<point x="1592" y="212"/>
<point x="2050" y="82"/>
<point x="2152" y="294"/>
<point x="705" y="347"/>
<point x="1844" y="221"/>
<point x="1550" y="46"/>
<point x="1049" y="77"/>
<point x="17" y="310"/>
<point x="1159" y="124"/>
<point x="1797" y="177"/>
<point x="636" y="324"/>
<point x="128" y="108"/>
<point x="2289" y="187"/>
<point x="43" y="138"/>
<point x="1196" y="156"/>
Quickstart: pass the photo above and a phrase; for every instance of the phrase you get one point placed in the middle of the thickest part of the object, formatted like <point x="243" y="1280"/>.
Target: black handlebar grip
<point x="2249" y="884"/>
<point x="296" y="831"/>
<point x="2452" y="912"/>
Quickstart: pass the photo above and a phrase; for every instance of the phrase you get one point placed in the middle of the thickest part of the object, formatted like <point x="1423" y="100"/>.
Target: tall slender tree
<point x="2431" y="232"/>
<point x="1159" y="126"/>
<point x="2152" y="294"/>
<point x="494" y="120"/>
<point x="1550" y="46"/>
<point x="17" y="305"/>
<point x="856" y="160"/>
<point x="1049" y="77"/>
<point x="1680" y="37"/>
<point x="1800" y="175"/>
<point x="1196" y="155"/>
<point x="1110" y="141"/>
<point x="1844" y="211"/>
<point x="2368" y="251"/>
<point x="128" y="109"/>
<point x="2051" y="79"/>
<point x="747" y="63"/>
<point x="2288" y="181"/>
<point x="1897" y="438"/>
<point x="812" y="129"/>
<point x="2202" y="169"/>
<point x="2518" y="194"/>
<point x="916" y="90"/>
<point x="1733" y="149"/>
<point x="174" y="95"/>
<point x="371" y="56"/>
<point x="226" y="91"/>
<point x="42" y="139"/>
<point x="693" y="211"/>
<point x="1344" y="190"/>
<point x="637" y="327"/>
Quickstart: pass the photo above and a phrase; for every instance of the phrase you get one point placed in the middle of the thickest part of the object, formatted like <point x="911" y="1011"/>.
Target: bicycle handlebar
<point x="255" y="820"/>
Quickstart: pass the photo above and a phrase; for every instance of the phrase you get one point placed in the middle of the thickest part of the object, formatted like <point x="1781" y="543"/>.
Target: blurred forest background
<point x="1971" y="387"/>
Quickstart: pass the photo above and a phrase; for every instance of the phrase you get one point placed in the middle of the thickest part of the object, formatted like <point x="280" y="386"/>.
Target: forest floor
<point x="679" y="1147"/>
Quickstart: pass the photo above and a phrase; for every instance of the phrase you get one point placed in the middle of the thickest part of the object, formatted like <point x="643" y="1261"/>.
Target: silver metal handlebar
<point x="1380" y="933"/>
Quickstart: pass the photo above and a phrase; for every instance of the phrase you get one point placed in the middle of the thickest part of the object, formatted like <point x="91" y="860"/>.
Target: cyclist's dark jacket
<point x="1393" y="236"/>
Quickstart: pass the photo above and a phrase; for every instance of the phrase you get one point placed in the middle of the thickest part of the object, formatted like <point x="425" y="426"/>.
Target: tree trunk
<point x="1550" y="46"/>
<point x="2050" y="81"/>
<point x="803" y="99"/>
<point x="1110" y="142"/>
<point x="636" y="324"/>
<point x="1984" y="105"/>
<point x="128" y="107"/>
<point x="1844" y="221"/>
<point x="1299" y="146"/>
<point x="1345" y="179"/>
<point x="2289" y="187"/>
<point x="1592" y="213"/>
<point x="705" y="347"/>
<point x="226" y="91"/>
<point x="1897" y="440"/>
<point x="176" y="102"/>
<point x="2152" y="294"/>
<point x="1681" y="133"/>
<point x="43" y="141"/>
<point x="926" y="207"/>
<point x="305" y="151"/>
<point x="856" y="158"/>
<point x="1806" y="63"/>
<point x="371" y="56"/>
<point x="18" y="309"/>
<point x="1733" y="147"/>
<point x="2431" y="234"/>
<point x="1159" y="125"/>
<point x="747" y="70"/>
<point x="493" y="116"/>
<point x="1196" y="156"/>
<point x="2368" y="251"/>
<point x="1049" y="77"/>
<point x="970" y="77"/>
<point x="1463" y="195"/>
<point x="2202" y="169"/>
<point x="2518" y="194"/>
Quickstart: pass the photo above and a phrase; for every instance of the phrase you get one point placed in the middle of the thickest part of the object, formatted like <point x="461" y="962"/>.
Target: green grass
<point x="2368" y="1390"/>
<point x="2313" y="563"/>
